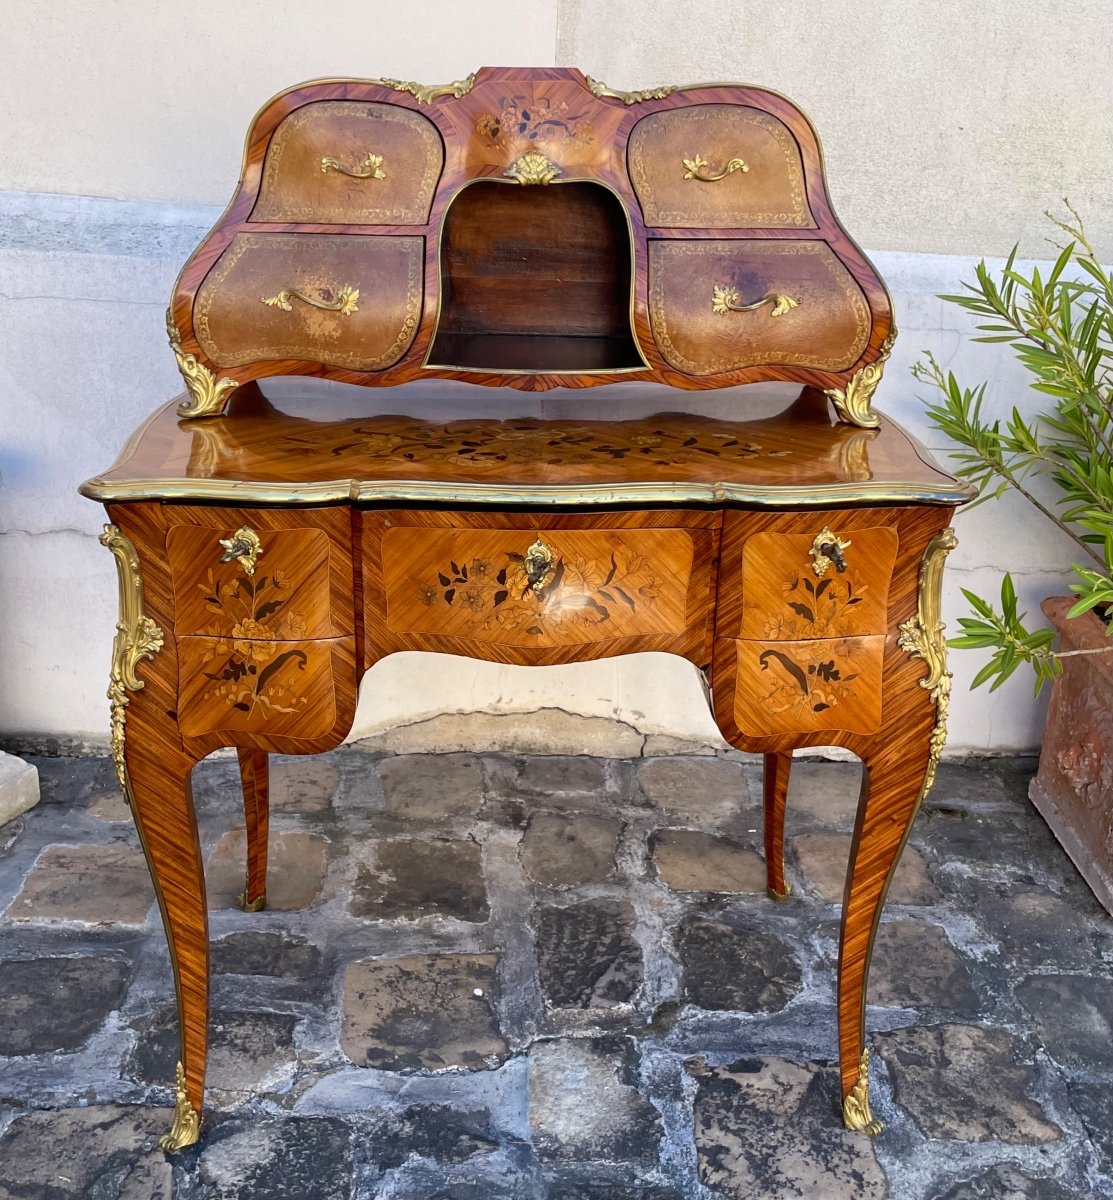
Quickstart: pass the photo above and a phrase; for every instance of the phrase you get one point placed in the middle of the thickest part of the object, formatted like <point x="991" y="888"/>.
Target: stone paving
<point x="546" y="978"/>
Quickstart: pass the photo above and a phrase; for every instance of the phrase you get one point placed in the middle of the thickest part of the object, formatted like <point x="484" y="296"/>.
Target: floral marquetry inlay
<point x="559" y="443"/>
<point x="809" y="685"/>
<point x="596" y="586"/>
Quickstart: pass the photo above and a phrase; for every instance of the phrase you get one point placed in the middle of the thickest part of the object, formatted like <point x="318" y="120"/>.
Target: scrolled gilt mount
<point x="207" y="394"/>
<point x="923" y="636"/>
<point x="532" y="168"/>
<point x="853" y="403"/>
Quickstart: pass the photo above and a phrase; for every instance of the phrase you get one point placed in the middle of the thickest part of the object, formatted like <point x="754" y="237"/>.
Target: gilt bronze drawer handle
<point x="828" y="548"/>
<point x="696" y="168"/>
<point x="370" y="168"/>
<point x="244" y="546"/>
<point x="726" y="299"/>
<point x="537" y="564"/>
<point x="345" y="302"/>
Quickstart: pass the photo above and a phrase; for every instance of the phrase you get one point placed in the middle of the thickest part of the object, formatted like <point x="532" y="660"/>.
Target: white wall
<point x="149" y="104"/>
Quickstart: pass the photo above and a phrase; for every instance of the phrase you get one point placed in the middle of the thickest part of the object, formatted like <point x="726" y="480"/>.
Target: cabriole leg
<point x="777" y="769"/>
<point x="892" y="786"/>
<point x="256" y="806"/>
<point x="154" y="774"/>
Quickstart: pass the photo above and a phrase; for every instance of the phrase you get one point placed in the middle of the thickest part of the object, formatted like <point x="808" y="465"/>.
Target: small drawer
<point x="510" y="587"/>
<point x="340" y="162"/>
<point x="803" y="687"/>
<point x="718" y="166"/>
<point x="300" y="586"/>
<point x="339" y="300"/>
<point x="792" y="591"/>
<point x="279" y="688"/>
<point x="718" y="305"/>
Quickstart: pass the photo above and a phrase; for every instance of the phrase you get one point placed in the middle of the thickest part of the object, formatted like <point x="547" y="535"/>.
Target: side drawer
<point x="718" y="166"/>
<point x="338" y="299"/>
<point x="792" y="591"/>
<point x="539" y="587"/>
<point x="726" y="304"/>
<point x="804" y="687"/>
<point x="300" y="586"/>
<point x="276" y="688"/>
<point x="341" y="162"/>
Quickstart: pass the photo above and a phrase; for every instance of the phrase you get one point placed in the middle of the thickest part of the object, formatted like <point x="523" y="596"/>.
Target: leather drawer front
<point x="432" y="583"/>
<point x="320" y="166"/>
<point x="245" y="685"/>
<point x="769" y="193"/>
<point x="784" y="599"/>
<point x="804" y="687"/>
<point x="245" y="310"/>
<point x="827" y="329"/>
<point x="293" y="594"/>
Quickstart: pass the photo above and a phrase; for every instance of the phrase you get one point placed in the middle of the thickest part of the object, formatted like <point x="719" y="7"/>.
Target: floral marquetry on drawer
<point x="281" y="688"/>
<point x="270" y="589"/>
<point x="802" y="687"/>
<point x="822" y="585"/>
<point x="528" y="589"/>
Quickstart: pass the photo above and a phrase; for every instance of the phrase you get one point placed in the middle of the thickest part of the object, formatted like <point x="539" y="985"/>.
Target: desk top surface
<point x="308" y="441"/>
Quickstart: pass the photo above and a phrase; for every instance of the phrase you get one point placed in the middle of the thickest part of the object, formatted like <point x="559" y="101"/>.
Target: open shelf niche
<point x="535" y="279"/>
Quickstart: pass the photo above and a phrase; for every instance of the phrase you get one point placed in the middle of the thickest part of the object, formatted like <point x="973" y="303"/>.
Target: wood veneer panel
<point x="283" y="599"/>
<point x="659" y="597"/>
<point x="797" y="687"/>
<point x="303" y="582"/>
<point x="305" y="446"/>
<point x="784" y="598"/>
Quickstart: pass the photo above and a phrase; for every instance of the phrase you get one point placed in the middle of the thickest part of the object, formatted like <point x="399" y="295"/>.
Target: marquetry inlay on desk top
<point x="308" y="441"/>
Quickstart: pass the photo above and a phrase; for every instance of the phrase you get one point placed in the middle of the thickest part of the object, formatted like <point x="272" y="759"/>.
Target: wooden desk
<point x="272" y="551"/>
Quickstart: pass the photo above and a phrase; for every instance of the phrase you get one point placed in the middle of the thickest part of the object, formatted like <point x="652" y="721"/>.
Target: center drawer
<point x="522" y="587"/>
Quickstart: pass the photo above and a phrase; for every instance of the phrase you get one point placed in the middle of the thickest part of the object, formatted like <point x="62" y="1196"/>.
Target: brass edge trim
<point x="780" y="897"/>
<point x="923" y="636"/>
<point x="137" y="638"/>
<point x="856" y="1103"/>
<point x="339" y="491"/>
<point x="187" y="1121"/>
<point x="428" y="365"/>
<point x="853" y="402"/>
<point x="207" y="394"/>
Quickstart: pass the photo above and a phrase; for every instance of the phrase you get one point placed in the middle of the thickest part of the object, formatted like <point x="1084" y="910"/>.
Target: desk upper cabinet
<point x="531" y="229"/>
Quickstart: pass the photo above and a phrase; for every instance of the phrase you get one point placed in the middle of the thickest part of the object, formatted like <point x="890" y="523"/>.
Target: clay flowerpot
<point x="1074" y="787"/>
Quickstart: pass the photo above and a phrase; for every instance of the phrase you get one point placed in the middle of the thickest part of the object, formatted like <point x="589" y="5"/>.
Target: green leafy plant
<point x="1060" y="326"/>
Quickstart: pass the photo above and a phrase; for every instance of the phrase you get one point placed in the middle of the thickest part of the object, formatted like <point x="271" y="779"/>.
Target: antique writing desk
<point x="529" y="230"/>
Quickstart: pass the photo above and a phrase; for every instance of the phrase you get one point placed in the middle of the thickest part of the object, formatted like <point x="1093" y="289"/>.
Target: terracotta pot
<point x="1073" y="789"/>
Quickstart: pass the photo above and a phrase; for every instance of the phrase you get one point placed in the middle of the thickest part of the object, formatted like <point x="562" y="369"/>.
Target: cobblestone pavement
<point x="487" y="977"/>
